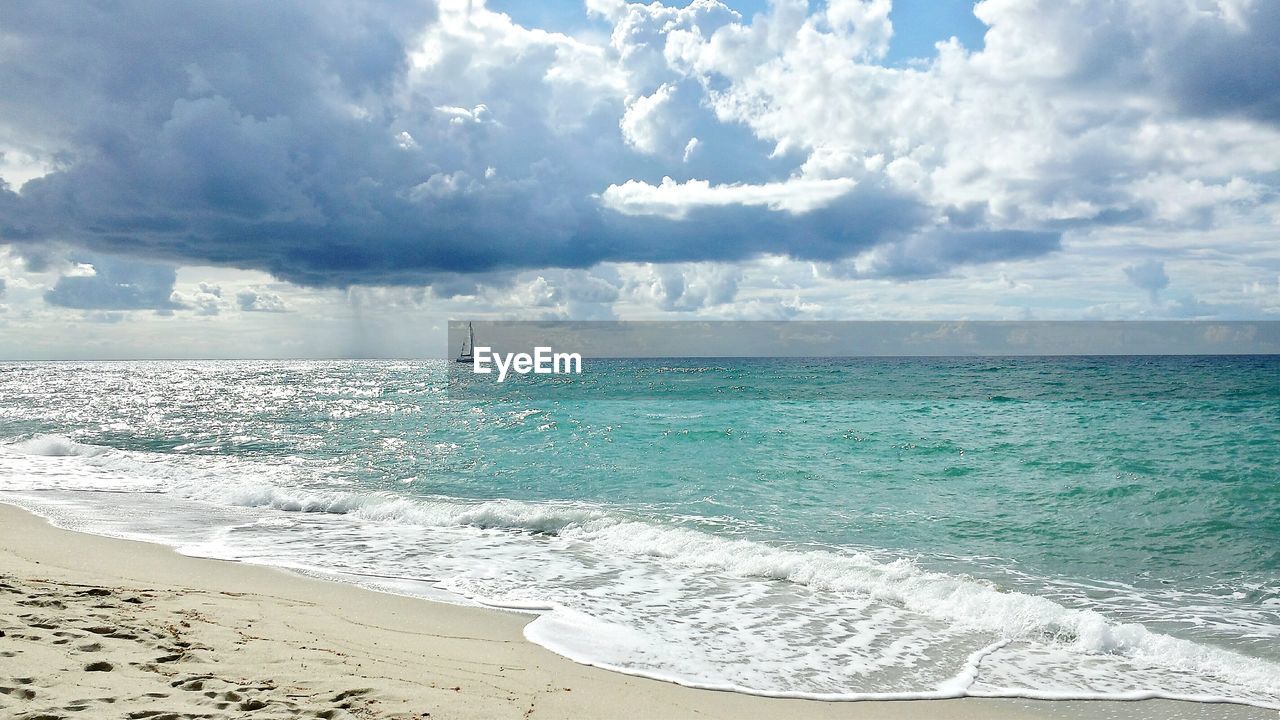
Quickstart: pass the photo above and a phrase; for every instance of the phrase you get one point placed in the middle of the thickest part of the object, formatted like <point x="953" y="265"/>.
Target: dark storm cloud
<point x="932" y="254"/>
<point x="861" y="218"/>
<point x="268" y="136"/>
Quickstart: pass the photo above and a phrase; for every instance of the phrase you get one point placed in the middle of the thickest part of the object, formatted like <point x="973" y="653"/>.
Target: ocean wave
<point x="248" y="483"/>
<point x="56" y="446"/>
<point x="968" y="603"/>
<point x="381" y="507"/>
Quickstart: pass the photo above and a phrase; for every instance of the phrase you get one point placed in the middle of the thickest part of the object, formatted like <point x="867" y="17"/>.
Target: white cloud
<point x="539" y="293"/>
<point x="205" y="299"/>
<point x="682" y="287"/>
<point x="640" y="123"/>
<point x="406" y="141"/>
<point x="461" y="116"/>
<point x="256" y="300"/>
<point x="1061" y="117"/>
<point x="673" y="199"/>
<point x="689" y="149"/>
<point x="442" y="185"/>
<point x="19" y="165"/>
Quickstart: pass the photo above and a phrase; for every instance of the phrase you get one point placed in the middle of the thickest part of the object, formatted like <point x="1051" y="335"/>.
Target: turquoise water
<point x="1043" y="527"/>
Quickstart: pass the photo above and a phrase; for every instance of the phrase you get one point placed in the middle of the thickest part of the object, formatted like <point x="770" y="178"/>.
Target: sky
<point x="317" y="178"/>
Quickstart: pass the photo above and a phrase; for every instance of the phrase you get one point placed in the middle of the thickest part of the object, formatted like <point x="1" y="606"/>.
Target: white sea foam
<point x="56" y="446"/>
<point x="634" y="594"/>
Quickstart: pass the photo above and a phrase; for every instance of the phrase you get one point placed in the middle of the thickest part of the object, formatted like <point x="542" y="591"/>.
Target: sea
<point x="1053" y="527"/>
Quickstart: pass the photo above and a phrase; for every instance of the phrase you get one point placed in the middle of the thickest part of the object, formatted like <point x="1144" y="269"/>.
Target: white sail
<point x="468" y="346"/>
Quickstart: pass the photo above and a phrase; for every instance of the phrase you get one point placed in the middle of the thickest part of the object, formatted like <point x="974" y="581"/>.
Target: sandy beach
<point x="97" y="627"/>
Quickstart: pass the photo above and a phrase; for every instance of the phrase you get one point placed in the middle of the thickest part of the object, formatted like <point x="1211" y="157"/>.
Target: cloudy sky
<point x="321" y="178"/>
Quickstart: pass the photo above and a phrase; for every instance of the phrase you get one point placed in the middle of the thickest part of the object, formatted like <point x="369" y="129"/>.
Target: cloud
<point x="689" y="148"/>
<point x="1211" y="59"/>
<point x="1062" y="118"/>
<point x="409" y="143"/>
<point x="934" y="254"/>
<point x="539" y="294"/>
<point x="1224" y="61"/>
<point x="688" y="287"/>
<point x="251" y="300"/>
<point x="206" y="300"/>
<point x="104" y="318"/>
<point x="640" y="124"/>
<point x="1149" y="276"/>
<point x="115" y="285"/>
<point x="2" y="287"/>
<point x="674" y="200"/>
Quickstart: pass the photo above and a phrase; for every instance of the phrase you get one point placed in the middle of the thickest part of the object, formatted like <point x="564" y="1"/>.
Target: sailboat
<point x="468" y="346"/>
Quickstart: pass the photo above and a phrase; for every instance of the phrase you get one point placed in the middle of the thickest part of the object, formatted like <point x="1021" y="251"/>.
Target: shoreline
<point x="113" y="627"/>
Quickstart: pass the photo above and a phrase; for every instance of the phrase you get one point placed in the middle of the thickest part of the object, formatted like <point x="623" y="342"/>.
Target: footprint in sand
<point x="113" y="633"/>
<point x="35" y="601"/>
<point x="190" y="684"/>
<point x="19" y="693"/>
<point x="65" y="637"/>
<point x="100" y="666"/>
